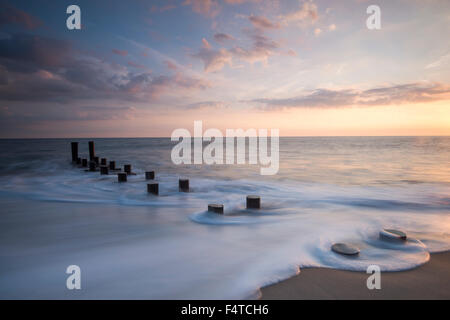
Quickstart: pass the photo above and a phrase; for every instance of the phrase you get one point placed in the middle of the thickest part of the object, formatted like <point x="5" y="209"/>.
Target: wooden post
<point x="103" y="170"/>
<point x="122" y="177"/>
<point x="127" y="168"/>
<point x="74" y="146"/>
<point x="84" y="162"/>
<point x="97" y="161"/>
<point x="112" y="165"/>
<point x="91" y="150"/>
<point x="103" y="161"/>
<point x="91" y="166"/>
<point x="253" y="202"/>
<point x="78" y="160"/>
<point x="149" y="175"/>
<point x="183" y="185"/>
<point x="153" y="188"/>
<point x="216" y="208"/>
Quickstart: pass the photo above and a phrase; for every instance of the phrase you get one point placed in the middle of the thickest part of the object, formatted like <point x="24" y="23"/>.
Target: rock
<point x="345" y="249"/>
<point x="392" y="234"/>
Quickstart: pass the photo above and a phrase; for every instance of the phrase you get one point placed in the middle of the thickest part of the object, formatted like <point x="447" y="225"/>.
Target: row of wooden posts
<point x="253" y="201"/>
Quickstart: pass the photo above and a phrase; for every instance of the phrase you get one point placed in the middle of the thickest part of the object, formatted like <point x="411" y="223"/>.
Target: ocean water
<point x="130" y="244"/>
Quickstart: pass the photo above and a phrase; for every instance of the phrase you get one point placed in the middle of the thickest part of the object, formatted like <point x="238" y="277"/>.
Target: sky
<point x="146" y="68"/>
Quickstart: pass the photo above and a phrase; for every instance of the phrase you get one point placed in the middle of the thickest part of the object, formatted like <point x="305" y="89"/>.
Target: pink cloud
<point x="214" y="60"/>
<point x="307" y="14"/>
<point x="208" y="8"/>
<point x="170" y="65"/>
<point x="223" y="37"/>
<point x="122" y="53"/>
<point x="263" y="23"/>
<point x="11" y="15"/>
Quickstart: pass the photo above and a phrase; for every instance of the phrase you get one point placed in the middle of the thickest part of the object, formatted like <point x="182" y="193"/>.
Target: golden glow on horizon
<point x="418" y="119"/>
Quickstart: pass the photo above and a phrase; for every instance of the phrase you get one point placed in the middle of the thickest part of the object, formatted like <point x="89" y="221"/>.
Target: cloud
<point x="262" y="47"/>
<point x="23" y="52"/>
<point x="380" y="96"/>
<point x="223" y="37"/>
<point x="36" y="69"/>
<point x="11" y="15"/>
<point x="307" y="14"/>
<point x="207" y="8"/>
<point x="68" y="113"/>
<point x="442" y="61"/>
<point x="213" y="60"/>
<point x="240" y="1"/>
<point x="263" y="23"/>
<point x="122" y="53"/>
<point x="203" y="105"/>
<point x="170" y="65"/>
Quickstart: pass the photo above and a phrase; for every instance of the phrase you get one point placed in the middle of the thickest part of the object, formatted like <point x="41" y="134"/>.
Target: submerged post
<point x="91" y="150"/>
<point x="112" y="165"/>
<point x="97" y="161"/>
<point x="84" y="162"/>
<point x="74" y="146"/>
<point x="149" y="175"/>
<point x="91" y="166"/>
<point x="216" y="208"/>
<point x="253" y="202"/>
<point x="103" y="170"/>
<point x="183" y="185"/>
<point x="122" y="177"/>
<point x="103" y="161"/>
<point x="127" y="168"/>
<point x="153" y="188"/>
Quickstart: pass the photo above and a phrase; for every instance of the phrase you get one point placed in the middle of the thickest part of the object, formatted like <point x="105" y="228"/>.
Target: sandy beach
<point x="429" y="281"/>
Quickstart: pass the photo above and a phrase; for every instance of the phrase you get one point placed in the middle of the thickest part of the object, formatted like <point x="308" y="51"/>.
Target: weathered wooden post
<point x="103" y="170"/>
<point x="74" y="146"/>
<point x="153" y="188"/>
<point x="91" y="150"/>
<point x="216" y="208"/>
<point x="149" y="175"/>
<point x="183" y="185"/>
<point x="122" y="177"/>
<point x="97" y="161"/>
<point x="112" y="165"/>
<point x="127" y="168"/>
<point x="253" y="202"/>
<point x="103" y="161"/>
<point x="92" y="166"/>
<point x="84" y="162"/>
<point x="78" y="160"/>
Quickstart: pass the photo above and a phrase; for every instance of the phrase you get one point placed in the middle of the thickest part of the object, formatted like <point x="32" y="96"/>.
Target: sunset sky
<point x="145" y="68"/>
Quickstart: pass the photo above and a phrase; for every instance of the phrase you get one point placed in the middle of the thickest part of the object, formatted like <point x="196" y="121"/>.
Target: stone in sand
<point x="345" y="248"/>
<point x="392" y="234"/>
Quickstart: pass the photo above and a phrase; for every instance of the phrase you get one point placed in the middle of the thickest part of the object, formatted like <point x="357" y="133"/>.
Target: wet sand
<point x="429" y="281"/>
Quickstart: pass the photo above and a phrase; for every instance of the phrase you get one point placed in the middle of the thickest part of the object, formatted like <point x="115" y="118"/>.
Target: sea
<point x="129" y="244"/>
